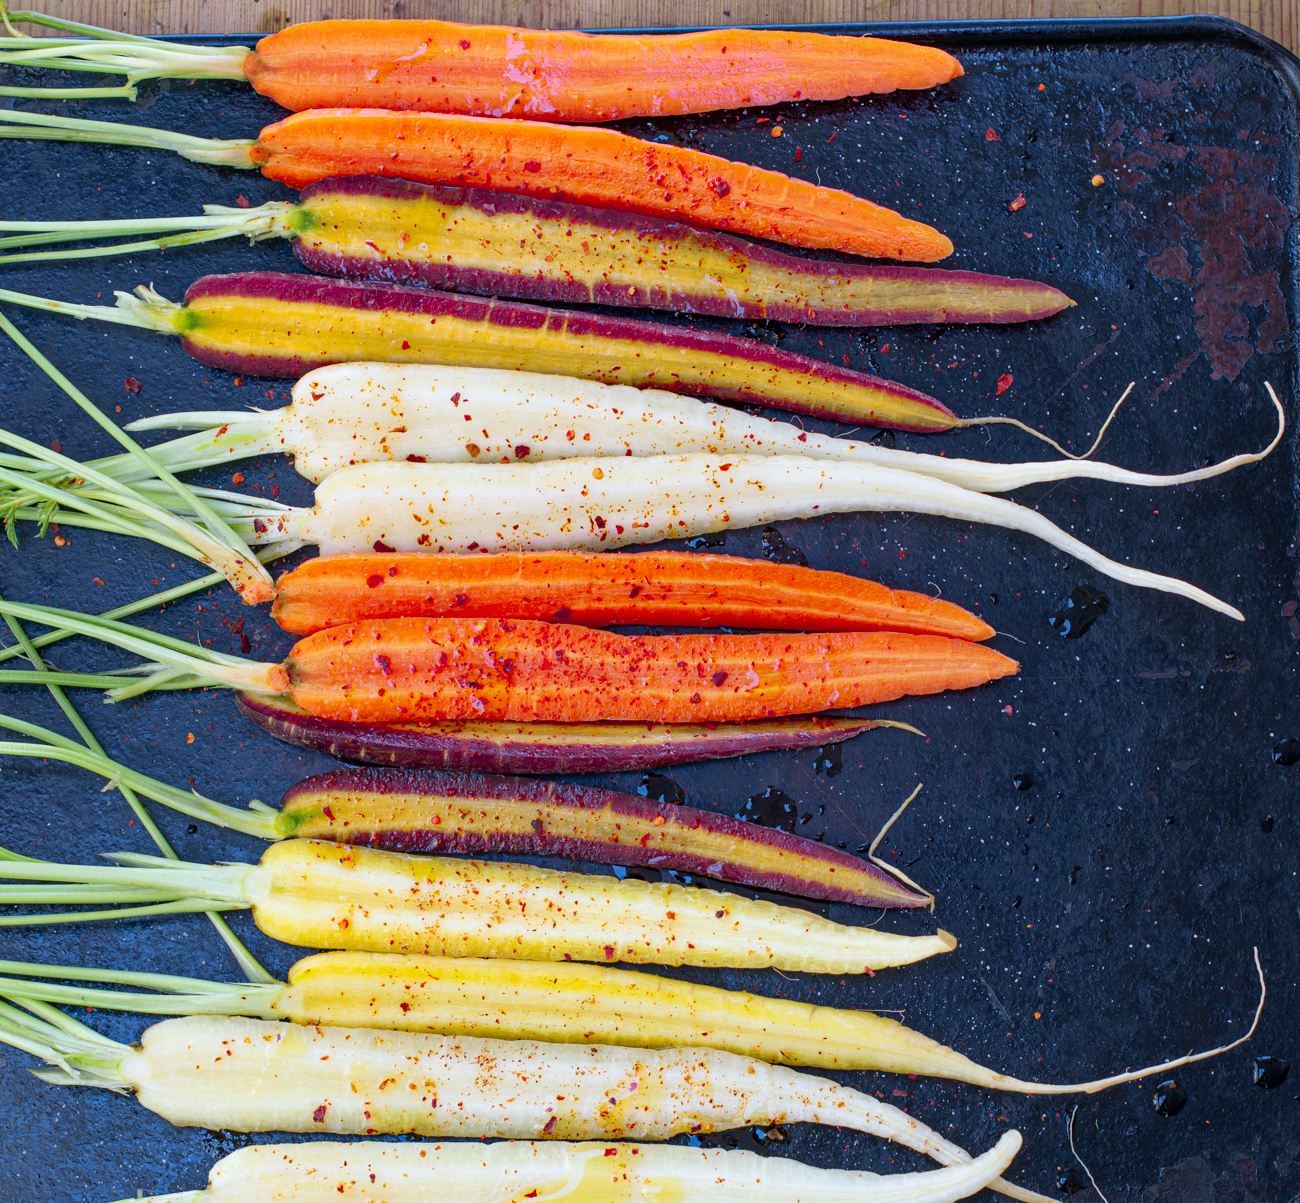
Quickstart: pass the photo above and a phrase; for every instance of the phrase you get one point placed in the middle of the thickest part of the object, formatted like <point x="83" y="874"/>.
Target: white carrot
<point x="588" y="504"/>
<point x="254" y="1075"/>
<point x="352" y="413"/>
<point x="579" y="1173"/>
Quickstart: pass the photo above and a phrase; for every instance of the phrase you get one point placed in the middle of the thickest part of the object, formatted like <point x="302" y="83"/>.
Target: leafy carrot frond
<point x="79" y="1055"/>
<point x="217" y="222"/>
<point x="258" y="819"/>
<point x="211" y="666"/>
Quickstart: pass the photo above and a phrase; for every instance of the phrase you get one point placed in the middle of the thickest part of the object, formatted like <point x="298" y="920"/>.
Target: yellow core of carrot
<point x="315" y="334"/>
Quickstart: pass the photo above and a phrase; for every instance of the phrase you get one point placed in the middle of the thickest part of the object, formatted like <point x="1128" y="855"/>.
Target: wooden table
<point x="1275" y="18"/>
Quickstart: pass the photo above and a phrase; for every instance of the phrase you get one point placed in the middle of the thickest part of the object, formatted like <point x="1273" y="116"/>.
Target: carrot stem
<point x="248" y="576"/>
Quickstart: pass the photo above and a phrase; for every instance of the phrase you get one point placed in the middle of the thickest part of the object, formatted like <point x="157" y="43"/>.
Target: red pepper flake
<point x="832" y="137"/>
<point x="380" y="545"/>
<point x="384" y="665"/>
<point x="318" y="1116"/>
<point x="611" y="1152"/>
<point x="242" y="201"/>
<point x="275" y="490"/>
<point x="375" y="580"/>
<point x="991" y="135"/>
<point x="405" y="345"/>
<point x="846" y="360"/>
<point x="762" y="120"/>
<point x="237" y="479"/>
<point x="56" y="446"/>
<point x="132" y="385"/>
<point x="609" y="952"/>
<point x="1027" y="234"/>
<point x="1005" y="381"/>
<point x="776" y="131"/>
<point x="101" y="584"/>
<point x="885" y="349"/>
<point x="798" y="154"/>
<point x="189" y="737"/>
<point x="464" y="45"/>
<point x="720" y="186"/>
<point x="1042" y="87"/>
<point x="1007" y="709"/>
<point x="1019" y="203"/>
<point x="239" y="382"/>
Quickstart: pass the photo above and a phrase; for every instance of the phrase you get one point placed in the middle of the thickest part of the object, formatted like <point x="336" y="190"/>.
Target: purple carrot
<point x="420" y="811"/>
<point x="500" y="244"/>
<point x="490" y="747"/>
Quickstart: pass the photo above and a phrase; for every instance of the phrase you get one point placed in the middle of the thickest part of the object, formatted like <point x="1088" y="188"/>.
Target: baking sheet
<point x="1107" y="909"/>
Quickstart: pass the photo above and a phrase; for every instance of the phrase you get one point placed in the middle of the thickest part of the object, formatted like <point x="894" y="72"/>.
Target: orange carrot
<point x="446" y="668"/>
<point x="496" y="71"/>
<point x="654" y="588"/>
<point x="585" y="164"/>
<point x="406" y="669"/>
<point x="590" y="166"/>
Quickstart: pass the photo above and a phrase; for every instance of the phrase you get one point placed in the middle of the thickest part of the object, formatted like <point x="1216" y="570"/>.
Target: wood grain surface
<point x="1276" y="19"/>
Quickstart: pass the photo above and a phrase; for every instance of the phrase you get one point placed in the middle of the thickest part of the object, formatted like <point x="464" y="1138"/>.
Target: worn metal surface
<point x="1106" y="911"/>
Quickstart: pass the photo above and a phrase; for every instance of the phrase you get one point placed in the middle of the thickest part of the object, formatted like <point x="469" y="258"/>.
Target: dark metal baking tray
<point x="1106" y="912"/>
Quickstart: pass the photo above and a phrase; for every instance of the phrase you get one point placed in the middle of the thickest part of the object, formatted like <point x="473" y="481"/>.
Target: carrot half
<point x="588" y="165"/>
<point x="591" y="166"/>
<point x="497" y="71"/>
<point x="413" y="668"/>
<point x="406" y="669"/>
<point x="654" y="588"/>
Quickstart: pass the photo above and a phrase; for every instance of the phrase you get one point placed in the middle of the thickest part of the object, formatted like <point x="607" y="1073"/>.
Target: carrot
<point x="402" y="669"/>
<point x="586" y="165"/>
<point x="497" y="71"/>
<point x="655" y="588"/>
<point x="494" y="71"/>
<point x="411" y="668"/>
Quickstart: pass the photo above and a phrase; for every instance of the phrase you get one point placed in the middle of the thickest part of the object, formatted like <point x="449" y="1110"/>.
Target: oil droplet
<point x="1286" y="753"/>
<point x="1169" y="1098"/>
<point x="886" y="438"/>
<point x="702" y="541"/>
<point x="1266" y="824"/>
<point x="771" y="808"/>
<point x="776" y="549"/>
<point x="1079" y="611"/>
<point x="192" y="829"/>
<point x="829" y="762"/>
<point x="1270" y="1072"/>
<point x="1023" y="781"/>
<point x="659" y="788"/>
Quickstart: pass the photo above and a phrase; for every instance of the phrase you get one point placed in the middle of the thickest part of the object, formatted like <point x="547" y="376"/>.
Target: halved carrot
<point x="560" y="75"/>
<point x="654" y="588"/>
<point x="412" y="668"/>
<point x="497" y="70"/>
<point x="401" y="669"/>
<point x="592" y="166"/>
<point x="586" y="164"/>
